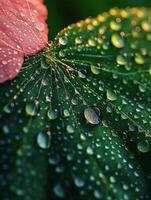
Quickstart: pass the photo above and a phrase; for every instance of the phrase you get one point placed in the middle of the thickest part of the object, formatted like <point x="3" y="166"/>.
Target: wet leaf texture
<point x="76" y="123"/>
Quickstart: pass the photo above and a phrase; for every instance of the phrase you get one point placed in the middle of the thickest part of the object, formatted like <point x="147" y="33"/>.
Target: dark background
<point x="65" y="12"/>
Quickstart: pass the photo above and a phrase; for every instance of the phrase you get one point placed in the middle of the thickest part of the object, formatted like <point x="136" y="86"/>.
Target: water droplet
<point x="143" y="146"/>
<point x="92" y="115"/>
<point x="146" y="26"/>
<point x="115" y="26"/>
<point x="139" y="59"/>
<point x="117" y="40"/>
<point x="89" y="151"/>
<point x="70" y="128"/>
<point x="121" y="60"/>
<point x="111" y="96"/>
<point x="66" y="113"/>
<point x="63" y="41"/>
<point x="31" y="109"/>
<point x="52" y="115"/>
<point x="142" y="88"/>
<point x="95" y="69"/>
<point x="81" y="75"/>
<point x="40" y="26"/>
<point x="78" y="40"/>
<point x="59" y="191"/>
<point x="92" y="42"/>
<point x="97" y="194"/>
<point x="54" y="159"/>
<point x="7" y="109"/>
<point x="112" y="179"/>
<point x="43" y="140"/>
<point x="79" y="182"/>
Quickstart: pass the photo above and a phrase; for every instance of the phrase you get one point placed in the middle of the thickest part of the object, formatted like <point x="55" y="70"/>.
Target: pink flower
<point x="23" y="32"/>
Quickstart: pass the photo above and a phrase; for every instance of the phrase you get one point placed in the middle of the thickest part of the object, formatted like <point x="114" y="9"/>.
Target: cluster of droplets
<point x="84" y="93"/>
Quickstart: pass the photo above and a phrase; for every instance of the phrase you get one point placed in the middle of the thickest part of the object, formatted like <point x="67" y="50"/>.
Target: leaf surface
<point x="75" y="124"/>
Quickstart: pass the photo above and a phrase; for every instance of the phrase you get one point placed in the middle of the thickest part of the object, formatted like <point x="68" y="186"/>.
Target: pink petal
<point x="10" y="63"/>
<point x="22" y="30"/>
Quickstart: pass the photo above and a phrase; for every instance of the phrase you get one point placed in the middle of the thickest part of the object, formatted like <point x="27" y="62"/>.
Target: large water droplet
<point x="79" y="182"/>
<point x="31" y="109"/>
<point x="95" y="69"/>
<point x="66" y="113"/>
<point x="92" y="115"/>
<point x="139" y="59"/>
<point x="111" y="95"/>
<point x="146" y="26"/>
<point x="63" y="40"/>
<point x="115" y="26"/>
<point x="89" y="151"/>
<point x="59" y="191"/>
<point x="143" y="146"/>
<point x="52" y="115"/>
<point x="121" y="60"/>
<point x="117" y="40"/>
<point x="70" y="128"/>
<point x="43" y="140"/>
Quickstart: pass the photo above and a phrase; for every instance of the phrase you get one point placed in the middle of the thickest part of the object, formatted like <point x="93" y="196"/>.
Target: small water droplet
<point x="78" y="40"/>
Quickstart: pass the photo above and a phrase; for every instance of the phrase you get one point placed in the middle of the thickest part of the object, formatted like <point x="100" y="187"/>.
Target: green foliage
<point x="76" y="123"/>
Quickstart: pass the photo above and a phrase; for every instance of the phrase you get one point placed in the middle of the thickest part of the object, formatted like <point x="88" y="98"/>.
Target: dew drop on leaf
<point x="54" y="159"/>
<point x="143" y="146"/>
<point x="115" y="26"/>
<point x="92" y="115"/>
<point x="43" y="140"/>
<point x="52" y="115"/>
<point x="59" y="191"/>
<point x="31" y="109"/>
<point x="70" y="128"/>
<point x="66" y="113"/>
<point x="63" y="41"/>
<point x="79" y="182"/>
<point x="121" y="60"/>
<point x="117" y="40"/>
<point x="146" y="26"/>
<point x="89" y="151"/>
<point x="139" y="59"/>
<point x="78" y="40"/>
<point x="95" y="70"/>
<point x="111" y="95"/>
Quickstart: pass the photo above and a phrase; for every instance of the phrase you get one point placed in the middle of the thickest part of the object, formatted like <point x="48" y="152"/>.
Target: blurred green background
<point x="65" y="12"/>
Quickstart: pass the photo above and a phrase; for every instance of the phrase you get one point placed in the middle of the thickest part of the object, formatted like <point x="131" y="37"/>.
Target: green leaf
<point x="76" y="122"/>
